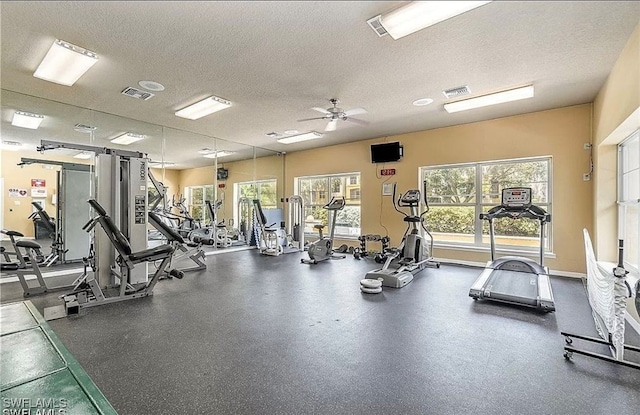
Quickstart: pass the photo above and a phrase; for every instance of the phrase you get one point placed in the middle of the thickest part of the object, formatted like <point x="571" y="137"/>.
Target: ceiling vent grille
<point x="136" y="93"/>
<point x="376" y="25"/>
<point x="457" y="92"/>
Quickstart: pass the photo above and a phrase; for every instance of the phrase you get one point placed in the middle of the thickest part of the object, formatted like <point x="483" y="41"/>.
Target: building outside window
<point x="317" y="191"/>
<point x="458" y="193"/>
<point x="629" y="198"/>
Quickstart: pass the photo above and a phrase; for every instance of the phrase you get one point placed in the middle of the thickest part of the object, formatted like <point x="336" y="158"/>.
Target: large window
<point x="264" y="190"/>
<point x="318" y="191"/>
<point x="629" y="198"/>
<point x="457" y="194"/>
<point x="194" y="200"/>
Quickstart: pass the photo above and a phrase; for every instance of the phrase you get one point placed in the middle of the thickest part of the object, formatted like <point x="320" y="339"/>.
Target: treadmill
<point x="513" y="279"/>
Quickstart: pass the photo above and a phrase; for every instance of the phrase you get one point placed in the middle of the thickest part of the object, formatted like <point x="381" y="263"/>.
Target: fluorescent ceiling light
<point x="418" y="15"/>
<point x="65" y="63"/>
<point x="218" y="154"/>
<point x="10" y="145"/>
<point x="300" y="137"/>
<point x="27" y="120"/>
<point x="161" y="164"/>
<point x="84" y="155"/>
<point x="127" y="138"/>
<point x="490" y="99"/>
<point x="202" y="108"/>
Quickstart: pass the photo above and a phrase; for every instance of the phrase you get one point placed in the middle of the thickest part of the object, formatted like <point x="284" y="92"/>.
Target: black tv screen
<point x="386" y="152"/>
<point x="223" y="173"/>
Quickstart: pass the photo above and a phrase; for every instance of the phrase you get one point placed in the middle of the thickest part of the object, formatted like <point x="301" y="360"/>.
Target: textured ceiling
<point x="276" y="60"/>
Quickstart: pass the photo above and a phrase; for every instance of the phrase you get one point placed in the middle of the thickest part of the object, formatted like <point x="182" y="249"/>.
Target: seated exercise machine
<point x="513" y="279"/>
<point x="294" y="232"/>
<point x="322" y="249"/>
<point x="218" y="230"/>
<point x="31" y="268"/>
<point x="126" y="260"/>
<point x="413" y="255"/>
<point x="608" y="292"/>
<point x="267" y="238"/>
<point x="8" y="264"/>
<point x="56" y="238"/>
<point x="182" y="248"/>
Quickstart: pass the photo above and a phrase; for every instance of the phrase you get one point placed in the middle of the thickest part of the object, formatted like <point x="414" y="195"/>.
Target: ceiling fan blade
<point x="309" y="119"/>
<point x="322" y="110"/>
<point x="355" y="111"/>
<point x="331" y="125"/>
<point x="357" y="121"/>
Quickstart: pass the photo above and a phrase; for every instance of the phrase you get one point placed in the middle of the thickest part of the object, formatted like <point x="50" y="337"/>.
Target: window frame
<point x="258" y="183"/>
<point x="188" y="200"/>
<point x="480" y="206"/>
<point x="623" y="201"/>
<point x="349" y="202"/>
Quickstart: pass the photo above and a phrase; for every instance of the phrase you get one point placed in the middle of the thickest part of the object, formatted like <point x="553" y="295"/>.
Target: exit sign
<point x="221" y="186"/>
<point x="387" y="172"/>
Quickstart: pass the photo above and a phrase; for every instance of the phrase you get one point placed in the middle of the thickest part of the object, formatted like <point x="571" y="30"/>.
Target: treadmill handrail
<point x="530" y="212"/>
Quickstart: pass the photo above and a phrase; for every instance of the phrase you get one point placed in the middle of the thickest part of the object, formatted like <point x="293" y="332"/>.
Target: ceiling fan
<point x="334" y="114"/>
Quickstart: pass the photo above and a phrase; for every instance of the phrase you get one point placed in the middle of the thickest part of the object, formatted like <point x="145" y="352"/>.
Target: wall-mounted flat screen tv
<point x="386" y="152"/>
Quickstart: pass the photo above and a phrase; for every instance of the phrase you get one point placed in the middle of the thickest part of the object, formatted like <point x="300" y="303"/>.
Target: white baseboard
<point x="483" y="264"/>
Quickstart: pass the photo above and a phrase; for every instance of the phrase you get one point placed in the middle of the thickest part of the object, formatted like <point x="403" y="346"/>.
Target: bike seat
<point x="28" y="244"/>
<point x="318" y="226"/>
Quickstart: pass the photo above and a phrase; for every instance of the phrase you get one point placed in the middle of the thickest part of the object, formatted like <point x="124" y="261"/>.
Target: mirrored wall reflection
<point x="187" y="170"/>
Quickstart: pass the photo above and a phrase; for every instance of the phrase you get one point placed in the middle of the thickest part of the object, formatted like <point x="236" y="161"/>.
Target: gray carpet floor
<point x="267" y="335"/>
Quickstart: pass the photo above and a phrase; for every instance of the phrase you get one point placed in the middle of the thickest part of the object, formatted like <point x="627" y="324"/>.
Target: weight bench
<point x="22" y="263"/>
<point x="191" y="250"/>
<point x="57" y="243"/>
<point x="126" y="260"/>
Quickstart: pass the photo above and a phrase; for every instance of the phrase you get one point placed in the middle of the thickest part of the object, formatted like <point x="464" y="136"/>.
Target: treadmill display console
<point x="516" y="197"/>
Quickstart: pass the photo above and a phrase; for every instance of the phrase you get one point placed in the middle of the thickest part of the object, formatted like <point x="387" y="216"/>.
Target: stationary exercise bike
<point x="322" y="249"/>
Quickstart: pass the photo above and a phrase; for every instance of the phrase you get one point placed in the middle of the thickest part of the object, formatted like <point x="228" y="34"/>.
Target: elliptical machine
<point x="413" y="255"/>
<point x="322" y="249"/>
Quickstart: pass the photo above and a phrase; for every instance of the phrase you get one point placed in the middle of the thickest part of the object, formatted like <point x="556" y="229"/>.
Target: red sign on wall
<point x="387" y="172"/>
<point x="221" y="186"/>
<point x="38" y="183"/>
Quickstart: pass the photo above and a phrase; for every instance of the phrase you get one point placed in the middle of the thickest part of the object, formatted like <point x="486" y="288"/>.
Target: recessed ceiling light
<point x="291" y="132"/>
<point x="490" y="99"/>
<point x="84" y="155"/>
<point x="65" y="63"/>
<point x="27" y="120"/>
<point x="127" y="138"/>
<point x="151" y="86"/>
<point x="203" y="108"/>
<point x="10" y="145"/>
<point x="422" y="102"/>
<point x="301" y="137"/>
<point x="218" y="154"/>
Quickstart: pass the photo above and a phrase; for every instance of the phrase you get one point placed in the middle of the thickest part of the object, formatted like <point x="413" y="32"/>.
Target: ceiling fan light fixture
<point x="65" y="63"/>
<point x="203" y="108"/>
<point x="311" y="135"/>
<point x="501" y="97"/>
<point x="418" y="15"/>
<point x="26" y="120"/>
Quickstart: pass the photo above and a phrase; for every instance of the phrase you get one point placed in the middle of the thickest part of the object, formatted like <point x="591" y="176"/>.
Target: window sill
<point x="486" y="249"/>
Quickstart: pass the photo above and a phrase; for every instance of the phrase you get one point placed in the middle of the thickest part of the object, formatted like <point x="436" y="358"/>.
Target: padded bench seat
<point x="28" y="244"/>
<point x="161" y="250"/>
<point x="12" y="233"/>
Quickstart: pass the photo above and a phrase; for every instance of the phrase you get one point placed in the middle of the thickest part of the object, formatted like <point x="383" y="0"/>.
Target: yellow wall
<point x="16" y="210"/>
<point x="616" y="115"/>
<point x="559" y="133"/>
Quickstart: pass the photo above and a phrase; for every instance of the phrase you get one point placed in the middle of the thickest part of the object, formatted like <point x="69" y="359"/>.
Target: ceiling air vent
<point x="375" y="24"/>
<point x="83" y="128"/>
<point x="456" y="92"/>
<point x="136" y="93"/>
